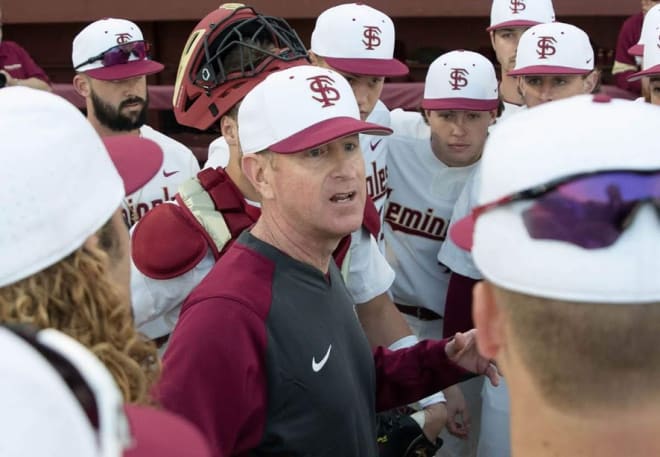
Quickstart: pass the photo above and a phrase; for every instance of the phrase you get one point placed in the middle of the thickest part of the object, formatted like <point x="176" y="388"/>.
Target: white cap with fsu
<point x="554" y="49"/>
<point x="520" y="13"/>
<point x="461" y="80"/>
<point x="300" y="108"/>
<point x="356" y="38"/>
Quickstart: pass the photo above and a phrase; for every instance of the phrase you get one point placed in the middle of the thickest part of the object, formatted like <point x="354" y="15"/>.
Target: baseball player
<point x="508" y="20"/>
<point x="111" y="60"/>
<point x="426" y="176"/>
<point x="58" y="399"/>
<point x="238" y="364"/>
<point x="71" y="273"/>
<point x="629" y="47"/>
<point x="569" y="248"/>
<point x="554" y="61"/>
<point x="649" y="34"/>
<point x="651" y="67"/>
<point x="562" y="70"/>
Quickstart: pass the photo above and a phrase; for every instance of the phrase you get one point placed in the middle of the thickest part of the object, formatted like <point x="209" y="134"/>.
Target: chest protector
<point x="211" y="212"/>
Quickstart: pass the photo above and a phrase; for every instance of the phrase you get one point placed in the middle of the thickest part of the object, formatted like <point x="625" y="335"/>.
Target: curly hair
<point x="77" y="297"/>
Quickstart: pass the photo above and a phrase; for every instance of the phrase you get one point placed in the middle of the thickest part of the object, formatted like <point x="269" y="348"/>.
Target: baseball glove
<point x="400" y="436"/>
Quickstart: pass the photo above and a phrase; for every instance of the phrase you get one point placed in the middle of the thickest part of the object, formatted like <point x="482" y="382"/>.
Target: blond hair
<point x="586" y="356"/>
<point x="77" y="297"/>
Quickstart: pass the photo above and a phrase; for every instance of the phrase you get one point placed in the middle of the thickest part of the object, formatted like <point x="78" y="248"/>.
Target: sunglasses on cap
<point x="86" y="377"/>
<point x="120" y="54"/>
<point x="590" y="210"/>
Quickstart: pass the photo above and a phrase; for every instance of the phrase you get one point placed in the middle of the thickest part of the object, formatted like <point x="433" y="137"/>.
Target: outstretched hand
<point x="462" y="350"/>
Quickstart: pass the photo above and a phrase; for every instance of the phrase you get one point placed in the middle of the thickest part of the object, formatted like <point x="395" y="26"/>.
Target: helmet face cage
<point x="251" y="42"/>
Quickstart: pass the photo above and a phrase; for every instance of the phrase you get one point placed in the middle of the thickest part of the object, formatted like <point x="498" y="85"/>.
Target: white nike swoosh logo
<point x="318" y="366"/>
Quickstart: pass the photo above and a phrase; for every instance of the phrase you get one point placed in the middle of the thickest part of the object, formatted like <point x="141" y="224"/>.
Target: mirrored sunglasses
<point x="590" y="210"/>
<point x="120" y="54"/>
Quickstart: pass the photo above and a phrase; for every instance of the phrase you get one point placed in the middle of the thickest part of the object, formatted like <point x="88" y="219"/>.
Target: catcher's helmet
<point x="207" y="86"/>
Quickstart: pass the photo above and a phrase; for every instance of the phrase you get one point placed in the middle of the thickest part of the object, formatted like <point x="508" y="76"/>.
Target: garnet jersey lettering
<point x="179" y="165"/>
<point x="423" y="191"/>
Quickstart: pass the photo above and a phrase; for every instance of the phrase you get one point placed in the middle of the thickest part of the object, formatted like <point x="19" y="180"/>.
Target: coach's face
<point x="458" y="137"/>
<point x="536" y="90"/>
<point x="320" y="192"/>
<point x="505" y="45"/>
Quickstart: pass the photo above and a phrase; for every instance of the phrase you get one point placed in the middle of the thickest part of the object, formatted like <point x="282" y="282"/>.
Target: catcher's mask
<point x="229" y="52"/>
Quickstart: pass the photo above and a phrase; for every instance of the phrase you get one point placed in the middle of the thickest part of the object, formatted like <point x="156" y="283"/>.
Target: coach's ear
<point x="257" y="168"/>
<point x="81" y="85"/>
<point x="487" y="317"/>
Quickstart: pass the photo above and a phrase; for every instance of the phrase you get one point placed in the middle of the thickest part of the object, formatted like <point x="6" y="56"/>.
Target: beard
<point x="112" y="117"/>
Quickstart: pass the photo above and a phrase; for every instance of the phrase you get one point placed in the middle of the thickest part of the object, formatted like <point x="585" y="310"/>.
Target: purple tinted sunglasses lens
<point x="591" y="212"/>
<point x="121" y="54"/>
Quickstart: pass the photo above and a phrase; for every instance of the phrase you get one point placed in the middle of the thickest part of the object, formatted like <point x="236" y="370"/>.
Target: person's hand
<point x="462" y="350"/>
<point x="458" y="415"/>
<point x="435" y="419"/>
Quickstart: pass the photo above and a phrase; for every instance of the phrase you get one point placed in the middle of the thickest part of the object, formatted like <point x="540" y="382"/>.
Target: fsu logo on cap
<point x="545" y="47"/>
<point x="517" y="6"/>
<point x="458" y="78"/>
<point x="123" y="38"/>
<point x="323" y="85"/>
<point x="371" y="36"/>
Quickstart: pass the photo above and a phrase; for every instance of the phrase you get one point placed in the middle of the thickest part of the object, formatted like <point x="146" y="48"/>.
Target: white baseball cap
<point x="461" y="80"/>
<point x="554" y="49"/>
<point x="59" y="185"/>
<point x="585" y="134"/>
<point x="58" y="399"/>
<point x="300" y="108"/>
<point x="112" y="49"/>
<point x="356" y="38"/>
<point x="651" y="60"/>
<point x="520" y="13"/>
<point x="650" y="31"/>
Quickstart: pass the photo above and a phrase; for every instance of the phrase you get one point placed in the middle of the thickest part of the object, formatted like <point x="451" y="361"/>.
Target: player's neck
<point x="509" y="90"/>
<point x="288" y="239"/>
<point x="540" y="430"/>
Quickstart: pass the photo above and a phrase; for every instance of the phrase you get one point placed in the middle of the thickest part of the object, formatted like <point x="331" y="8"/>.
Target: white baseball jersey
<point x="157" y="303"/>
<point x="423" y="193"/>
<point x="374" y="151"/>
<point x="409" y="123"/>
<point x="179" y="165"/>
<point x="450" y="255"/>
<point x="218" y="156"/>
<point x="508" y="110"/>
